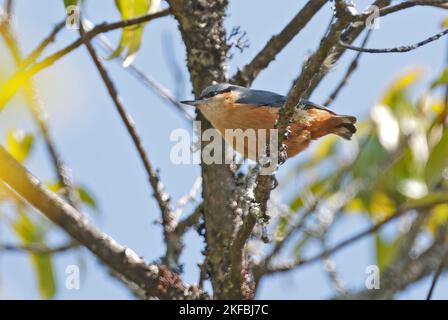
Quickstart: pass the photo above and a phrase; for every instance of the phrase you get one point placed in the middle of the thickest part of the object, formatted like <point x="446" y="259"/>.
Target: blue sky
<point x="95" y="144"/>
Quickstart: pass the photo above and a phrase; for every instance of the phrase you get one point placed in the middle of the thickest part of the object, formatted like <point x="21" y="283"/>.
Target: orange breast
<point x="309" y="125"/>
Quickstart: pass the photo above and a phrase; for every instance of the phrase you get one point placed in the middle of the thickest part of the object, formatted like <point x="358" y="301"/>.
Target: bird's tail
<point x="344" y="126"/>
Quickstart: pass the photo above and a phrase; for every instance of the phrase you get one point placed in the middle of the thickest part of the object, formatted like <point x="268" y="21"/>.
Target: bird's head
<point x="217" y="95"/>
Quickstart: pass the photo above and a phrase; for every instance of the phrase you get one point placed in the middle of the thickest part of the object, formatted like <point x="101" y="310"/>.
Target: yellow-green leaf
<point x="437" y="217"/>
<point x="441" y="80"/>
<point x="385" y="251"/>
<point x="438" y="161"/>
<point x="19" y="144"/>
<point x="400" y="84"/>
<point x="131" y="37"/>
<point x="69" y="3"/>
<point x="30" y="233"/>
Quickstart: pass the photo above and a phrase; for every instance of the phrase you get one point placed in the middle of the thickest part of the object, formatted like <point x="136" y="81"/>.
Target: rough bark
<point x="202" y="27"/>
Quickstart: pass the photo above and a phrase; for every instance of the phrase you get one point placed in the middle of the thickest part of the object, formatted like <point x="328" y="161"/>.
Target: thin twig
<point x="265" y="270"/>
<point x="37" y="248"/>
<point x="144" y="79"/>
<point x="400" y="49"/>
<point x="353" y="66"/>
<point x="189" y="221"/>
<point x="440" y="268"/>
<point x="277" y="43"/>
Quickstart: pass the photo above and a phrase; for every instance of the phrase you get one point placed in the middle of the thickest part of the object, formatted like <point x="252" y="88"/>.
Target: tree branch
<point x="155" y="280"/>
<point x="351" y="69"/>
<point x="163" y="200"/>
<point x="261" y="270"/>
<point x="277" y="43"/>
<point x="37" y="248"/>
<point x="400" y="49"/>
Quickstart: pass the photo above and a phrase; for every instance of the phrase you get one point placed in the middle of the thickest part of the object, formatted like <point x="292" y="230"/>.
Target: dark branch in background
<point x="154" y="280"/>
<point x="440" y="268"/>
<point x="163" y="200"/>
<point x="266" y="269"/>
<point x="14" y="83"/>
<point x="348" y="74"/>
<point x="36" y="249"/>
<point x="9" y="7"/>
<point x="400" y="49"/>
<point x="277" y="43"/>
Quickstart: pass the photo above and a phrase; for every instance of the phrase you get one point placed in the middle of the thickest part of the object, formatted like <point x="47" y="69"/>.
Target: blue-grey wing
<point x="261" y="98"/>
<point x="272" y="99"/>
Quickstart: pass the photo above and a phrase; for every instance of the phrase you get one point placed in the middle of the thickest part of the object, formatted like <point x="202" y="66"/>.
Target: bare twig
<point x="265" y="270"/>
<point x="155" y="280"/>
<point x="37" y="248"/>
<point x="350" y="70"/>
<point x="163" y="200"/>
<point x="144" y="79"/>
<point x="277" y="43"/>
<point x="400" y="49"/>
<point x="441" y="266"/>
<point x="189" y="221"/>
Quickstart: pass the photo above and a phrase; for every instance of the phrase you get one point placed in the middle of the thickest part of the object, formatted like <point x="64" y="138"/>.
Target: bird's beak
<point x="193" y="103"/>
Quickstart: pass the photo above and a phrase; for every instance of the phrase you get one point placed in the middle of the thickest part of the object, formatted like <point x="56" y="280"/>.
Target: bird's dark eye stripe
<point x="214" y="93"/>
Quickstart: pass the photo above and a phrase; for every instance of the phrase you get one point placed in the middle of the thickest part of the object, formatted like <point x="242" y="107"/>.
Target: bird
<point x="231" y="107"/>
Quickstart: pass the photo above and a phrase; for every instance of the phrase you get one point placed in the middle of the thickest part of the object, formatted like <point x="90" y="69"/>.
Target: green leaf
<point x="69" y="3"/>
<point x="442" y="80"/>
<point x="438" y="161"/>
<point x="31" y="233"/>
<point x="385" y="251"/>
<point x="83" y="193"/>
<point x="131" y="37"/>
<point x="86" y="198"/>
<point x="19" y="144"/>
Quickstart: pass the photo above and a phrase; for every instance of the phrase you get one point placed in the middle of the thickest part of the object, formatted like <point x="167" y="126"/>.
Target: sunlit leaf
<point x="86" y="197"/>
<point x="438" y="161"/>
<point x="381" y="205"/>
<point x="399" y="85"/>
<point x="30" y="233"/>
<point x="438" y="217"/>
<point x="82" y="192"/>
<point x="69" y="3"/>
<point x="131" y="37"/>
<point x="385" y="251"/>
<point x="19" y="144"/>
<point x="445" y="23"/>
<point x="442" y="80"/>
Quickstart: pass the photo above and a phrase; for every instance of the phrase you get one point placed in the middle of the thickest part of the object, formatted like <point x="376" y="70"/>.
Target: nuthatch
<point x="228" y="106"/>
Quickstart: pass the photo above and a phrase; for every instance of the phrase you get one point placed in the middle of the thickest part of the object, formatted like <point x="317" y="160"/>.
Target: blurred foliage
<point x="401" y="162"/>
<point x="33" y="233"/>
<point x="131" y="37"/>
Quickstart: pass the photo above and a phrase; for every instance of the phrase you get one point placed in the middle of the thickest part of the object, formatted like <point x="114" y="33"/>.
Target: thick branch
<point x="155" y="280"/>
